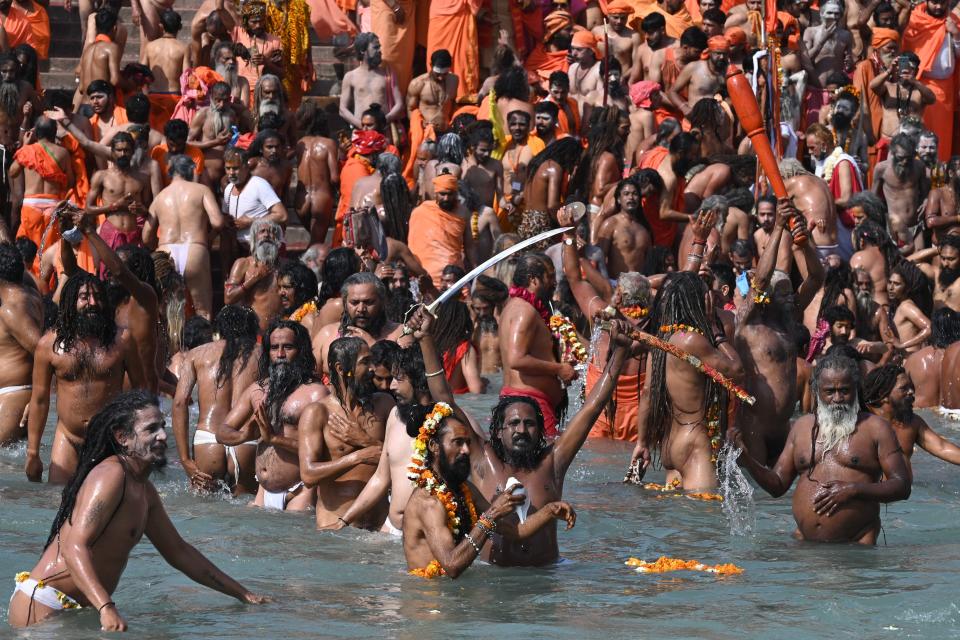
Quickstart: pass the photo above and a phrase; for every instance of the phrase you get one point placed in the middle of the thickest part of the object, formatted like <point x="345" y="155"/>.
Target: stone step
<point x="66" y="80"/>
<point x="321" y="56"/>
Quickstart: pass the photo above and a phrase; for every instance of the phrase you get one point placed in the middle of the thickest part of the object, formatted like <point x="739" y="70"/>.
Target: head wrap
<point x="555" y="22"/>
<point x="585" y="40"/>
<point x="883" y="36"/>
<point x="736" y="36"/>
<point x="619" y="7"/>
<point x="446" y="182"/>
<point x="640" y="93"/>
<point x="367" y="142"/>
<point x="718" y="44"/>
<point x="253" y="9"/>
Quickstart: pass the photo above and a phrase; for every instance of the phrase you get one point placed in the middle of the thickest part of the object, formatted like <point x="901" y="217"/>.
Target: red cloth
<point x="116" y="238"/>
<point x="845" y="165"/>
<point x="550" y="421"/>
<point x="450" y="362"/>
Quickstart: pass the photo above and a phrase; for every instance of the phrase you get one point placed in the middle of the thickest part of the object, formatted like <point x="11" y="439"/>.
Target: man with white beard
<point x="225" y="63"/>
<point x="211" y="128"/>
<point x="848" y="461"/>
<point x="269" y="97"/>
<point x="253" y="280"/>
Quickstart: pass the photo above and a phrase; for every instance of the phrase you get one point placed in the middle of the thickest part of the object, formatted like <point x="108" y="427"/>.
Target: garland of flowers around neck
<point x="572" y="350"/>
<point x="423" y="477"/>
<point x="635" y="312"/>
<point x="308" y="307"/>
<point x="523" y="294"/>
<point x="831" y="163"/>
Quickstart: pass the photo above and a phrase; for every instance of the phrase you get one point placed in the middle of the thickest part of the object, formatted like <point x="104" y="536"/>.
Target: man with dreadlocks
<point x="318" y="170"/>
<point x="297" y="288"/>
<point x="271" y="408"/>
<point x="107" y="506"/>
<point x="265" y="49"/>
<point x="364" y="298"/>
<point x="766" y="337"/>
<point x="682" y="411"/>
<point x="221" y="370"/>
<point x="624" y="237"/>
<point x="848" y="461"/>
<point x="340" y="462"/>
<point x="269" y="97"/>
<point x="21" y="322"/>
<point x="909" y="306"/>
<point x="546" y="185"/>
<point x="602" y="164"/>
<point x="89" y="355"/>
<point x="899" y="181"/>
<point x="888" y="392"/>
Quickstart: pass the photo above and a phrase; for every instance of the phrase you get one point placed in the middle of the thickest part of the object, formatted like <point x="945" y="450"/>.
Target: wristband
<point x="105" y="604"/>
<point x="435" y="373"/>
<point x="472" y="543"/>
<point x="345" y="523"/>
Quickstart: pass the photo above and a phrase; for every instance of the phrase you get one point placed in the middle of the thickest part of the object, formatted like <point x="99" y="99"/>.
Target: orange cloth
<point x="162" y="106"/>
<point x="453" y="26"/>
<point x="35" y="214"/>
<point x="627" y="401"/>
<point x="159" y="153"/>
<point x="556" y="21"/>
<point x="564" y="126"/>
<point x="329" y="18"/>
<point x="78" y="160"/>
<point x="541" y="60"/>
<point x="863" y="75"/>
<point x="445" y="182"/>
<point x="618" y="7"/>
<point x="397" y="41"/>
<point x="39" y="30"/>
<point x="693" y="8"/>
<point x="354" y="168"/>
<point x="924" y="36"/>
<point x="882" y="36"/>
<point x="119" y="118"/>
<point x="418" y="133"/>
<point x="266" y="46"/>
<point x="677" y="22"/>
<point x="664" y="232"/>
<point x="18" y="27"/>
<point x="436" y="238"/>
<point x="527" y="27"/>
<point x="452" y="360"/>
<point x="35" y="157"/>
<point x="512" y="161"/>
<point x="940" y="117"/>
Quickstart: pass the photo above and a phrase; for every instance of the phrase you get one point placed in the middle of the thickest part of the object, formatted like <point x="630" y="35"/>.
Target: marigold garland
<point x="572" y="350"/>
<point x="677" y="328"/>
<point x="635" y="312"/>
<point x="308" y="307"/>
<point x="475" y="225"/>
<point x="665" y="564"/>
<point x="432" y="570"/>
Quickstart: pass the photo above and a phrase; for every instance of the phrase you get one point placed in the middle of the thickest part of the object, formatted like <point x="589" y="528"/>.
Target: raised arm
<point x="768" y="262"/>
<point x="143" y="293"/>
<point x="809" y="265"/>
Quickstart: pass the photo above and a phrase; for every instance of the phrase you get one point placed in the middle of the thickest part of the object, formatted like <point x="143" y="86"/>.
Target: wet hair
<point x="683" y="143"/>
<point x="504" y="59"/>
<point x="450" y="149"/>
<point x="724" y="275"/>
<point x="312" y="120"/>
<point x="441" y="59"/>
<point x="384" y="353"/>
<point x="388" y="163"/>
<point x="707" y="114"/>
<point x="837" y="313"/>
<point x="944" y="327"/>
<point x="27" y="249"/>
<point x="513" y="83"/>
<point x="340" y="264"/>
<point x="397" y="206"/>
<point x="693" y="37"/>
<point x="357" y="279"/>
<point x="742" y="248"/>
<point x="139" y="261"/>
<point x="919" y="289"/>
<point x="30" y="67"/>
<point x="904" y="142"/>
<point x="69" y="317"/>
<point x="138" y="108"/>
<point x="181" y="165"/>
<point x="343" y="352"/>
<point x="176" y="129"/>
<point x="302" y="277"/>
<point x="873" y="207"/>
<point x="238" y="327"/>
<point x="877" y="385"/>
<point x="652" y="22"/>
<point x="560" y="79"/>
<point x="121" y="136"/>
<point x="100" y="443"/>
<point x="603" y="138"/>
<point x="565" y="152"/>
<point x="873" y="233"/>
<point x="11" y="262"/>
<point x="50" y="313"/>
<point x="837" y="281"/>
<point x="171" y="21"/>
<point x="302" y="365"/>
<point x="409" y="362"/>
<point x="833" y="361"/>
<point x="499" y="414"/>
<point x="452" y="327"/>
<point x="197" y="331"/>
<point x="529" y="266"/>
<point x="362" y="42"/>
<point x="104" y="22"/>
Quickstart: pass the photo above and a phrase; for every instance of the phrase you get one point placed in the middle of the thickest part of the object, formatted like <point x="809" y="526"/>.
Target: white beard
<point x="835" y="422"/>
<point x="269" y="106"/>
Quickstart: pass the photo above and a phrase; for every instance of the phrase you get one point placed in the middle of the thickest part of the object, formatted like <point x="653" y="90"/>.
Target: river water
<point x="353" y="584"/>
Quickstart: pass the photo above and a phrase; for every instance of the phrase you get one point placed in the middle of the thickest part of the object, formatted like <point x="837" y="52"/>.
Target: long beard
<point x="372" y="324"/>
<point x="92" y="323"/>
<point x="901" y="172"/>
<point x="841" y="121"/>
<point x="947" y="277"/>
<point x="865" y="302"/>
<point x="229" y="74"/>
<point x="284" y="379"/>
<point x="526" y="457"/>
<point x="219" y="120"/>
<point x="266" y="252"/>
<point x="835" y="423"/>
<point x="268" y="106"/>
<point x="10" y="98"/>
<point x="457" y="472"/>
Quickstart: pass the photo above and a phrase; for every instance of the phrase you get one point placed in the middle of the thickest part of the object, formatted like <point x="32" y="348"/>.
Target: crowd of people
<point x="146" y="253"/>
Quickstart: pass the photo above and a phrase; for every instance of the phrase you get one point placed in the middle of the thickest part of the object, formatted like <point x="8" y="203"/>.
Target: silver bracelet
<point x="435" y="373"/>
<point x="474" y="544"/>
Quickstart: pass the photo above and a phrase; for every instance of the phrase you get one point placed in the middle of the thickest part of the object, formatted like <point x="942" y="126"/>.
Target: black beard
<point x="455" y="473"/>
<point x="561" y="42"/>
<point x="374" y="324"/>
<point x="617" y="90"/>
<point x="362" y="390"/>
<point x="903" y="414"/>
<point x="527" y="458"/>
<point x="947" y="276"/>
<point x="841" y="121"/>
<point x="285" y="377"/>
<point x="91" y="323"/>
<point x="123" y="162"/>
<point x="448" y="206"/>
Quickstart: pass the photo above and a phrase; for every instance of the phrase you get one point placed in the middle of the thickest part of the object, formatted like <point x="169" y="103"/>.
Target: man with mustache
<point x="372" y="82"/>
<point x="584" y="72"/>
<point x="942" y="213"/>
<point x="843" y="110"/>
<point x="440" y="232"/>
<point x="848" y="462"/>
<point x="225" y="63"/>
<point x="704" y="78"/>
<point x="122" y="193"/>
<point x="264" y="51"/>
<point x="624" y="237"/>
<point x="364" y="316"/>
<point x="269" y="159"/>
<point x="340" y="464"/>
<point x="945" y="276"/>
<point x="89" y="355"/>
<point x="253" y="279"/>
<point x="107" y="507"/>
<point x="297" y="288"/>
<point x="271" y="408"/>
<point x="897" y="180"/>
<point x="211" y="128"/>
<point x="270" y="97"/>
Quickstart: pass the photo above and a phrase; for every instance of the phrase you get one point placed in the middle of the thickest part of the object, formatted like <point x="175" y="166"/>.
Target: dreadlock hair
<point x="707" y="114"/>
<point x="140" y="263"/>
<point x="68" y="317"/>
<point x="681" y="300"/>
<point x="11" y="262"/>
<point x="197" y="331"/>
<point x="344" y="352"/>
<point x="450" y="149"/>
<point x="453" y="327"/>
<point x="398" y="303"/>
<point x="312" y="120"/>
<point x="256" y="147"/>
<point x="498" y="416"/>
<point x="872" y="206"/>
<point x="837" y="281"/>
<point x="362" y="41"/>
<point x="99" y="444"/>
<point x="302" y="367"/>
<point x="30" y="64"/>
<point x="409" y="362"/>
<point x="603" y="138"/>
<point x="873" y="233"/>
<point x="238" y="327"/>
<point x="50" y="313"/>
<point x="944" y="327"/>
<point x="173" y="301"/>
<point x="397" y="206"/>
<point x="837" y="313"/>
<point x="656" y="261"/>
<point x="835" y="362"/>
<point x="505" y="269"/>
<point x="918" y="286"/>
<point x="513" y="83"/>
<point x="565" y="152"/>
<point x="666" y="131"/>
<point x="303" y="279"/>
<point x="878" y="384"/>
<point x="340" y="264"/>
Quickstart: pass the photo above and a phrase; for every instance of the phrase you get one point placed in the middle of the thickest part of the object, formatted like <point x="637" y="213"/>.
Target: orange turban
<point x="883" y="36"/>
<point x="446" y="182"/>
<point x="717" y="44"/>
<point x="555" y="22"/>
<point x="585" y="40"/>
<point x="736" y="36"/>
<point x="619" y="7"/>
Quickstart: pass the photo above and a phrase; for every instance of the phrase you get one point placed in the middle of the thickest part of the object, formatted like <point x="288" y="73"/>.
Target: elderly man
<point x="371" y="82"/>
<point x="898" y="181"/>
<point x="266" y="50"/>
<point x="270" y="97"/>
<point x="248" y="198"/>
<point x="855" y="456"/>
<point x="253" y="279"/>
<point x="224" y="60"/>
<point x="211" y="128"/>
